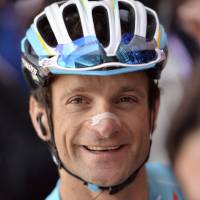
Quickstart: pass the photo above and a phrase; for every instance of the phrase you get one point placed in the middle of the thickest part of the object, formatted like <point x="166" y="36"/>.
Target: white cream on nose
<point x="96" y="120"/>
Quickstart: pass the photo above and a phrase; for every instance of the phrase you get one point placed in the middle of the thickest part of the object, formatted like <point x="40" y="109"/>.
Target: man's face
<point x="109" y="154"/>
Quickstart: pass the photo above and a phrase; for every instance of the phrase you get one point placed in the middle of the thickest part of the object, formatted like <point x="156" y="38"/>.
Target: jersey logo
<point x="175" y="196"/>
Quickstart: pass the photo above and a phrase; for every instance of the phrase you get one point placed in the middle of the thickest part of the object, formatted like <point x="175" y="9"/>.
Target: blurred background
<point x="26" y="167"/>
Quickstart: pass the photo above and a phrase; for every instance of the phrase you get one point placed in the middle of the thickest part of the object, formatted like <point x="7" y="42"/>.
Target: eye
<point x="77" y="103"/>
<point x="78" y="100"/>
<point x="126" y="99"/>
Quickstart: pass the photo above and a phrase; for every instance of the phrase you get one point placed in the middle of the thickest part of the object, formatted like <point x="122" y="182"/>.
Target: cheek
<point x="138" y="120"/>
<point x="139" y="131"/>
<point x="64" y="133"/>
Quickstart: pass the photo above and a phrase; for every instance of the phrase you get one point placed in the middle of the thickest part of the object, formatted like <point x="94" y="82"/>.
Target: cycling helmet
<point x="133" y="40"/>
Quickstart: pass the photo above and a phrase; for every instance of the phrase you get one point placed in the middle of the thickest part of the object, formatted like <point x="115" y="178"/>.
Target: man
<point x="93" y="66"/>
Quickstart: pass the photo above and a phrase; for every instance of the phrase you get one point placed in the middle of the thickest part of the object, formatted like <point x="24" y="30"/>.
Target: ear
<point x="41" y="126"/>
<point x="154" y="115"/>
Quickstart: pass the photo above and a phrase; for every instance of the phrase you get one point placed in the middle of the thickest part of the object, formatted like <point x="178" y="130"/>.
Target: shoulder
<point x="162" y="183"/>
<point x="54" y="195"/>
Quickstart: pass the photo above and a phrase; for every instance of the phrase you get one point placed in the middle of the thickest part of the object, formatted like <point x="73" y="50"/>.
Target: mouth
<point x="101" y="155"/>
<point x="97" y="149"/>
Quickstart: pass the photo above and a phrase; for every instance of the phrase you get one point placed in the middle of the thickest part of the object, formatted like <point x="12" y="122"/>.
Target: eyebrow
<point x="123" y="89"/>
<point x="68" y="92"/>
<point x="78" y="89"/>
<point x="131" y="89"/>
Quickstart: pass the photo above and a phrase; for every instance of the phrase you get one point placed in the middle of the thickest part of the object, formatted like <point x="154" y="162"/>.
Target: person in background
<point x="188" y="14"/>
<point x="184" y="138"/>
<point x="10" y="32"/>
<point x="26" y="169"/>
<point x="183" y="53"/>
<point x="19" y="13"/>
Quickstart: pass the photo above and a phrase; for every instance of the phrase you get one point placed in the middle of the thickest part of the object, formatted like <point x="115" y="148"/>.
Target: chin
<point x="107" y="179"/>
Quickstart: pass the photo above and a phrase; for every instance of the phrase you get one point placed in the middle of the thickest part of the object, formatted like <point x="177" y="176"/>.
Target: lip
<point x="104" y="155"/>
<point x="102" y="148"/>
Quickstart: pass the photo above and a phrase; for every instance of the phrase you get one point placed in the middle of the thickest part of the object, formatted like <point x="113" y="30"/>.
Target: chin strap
<point x="92" y="187"/>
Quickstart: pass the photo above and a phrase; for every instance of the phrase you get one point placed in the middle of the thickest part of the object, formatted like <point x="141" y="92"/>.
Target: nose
<point x="106" y="125"/>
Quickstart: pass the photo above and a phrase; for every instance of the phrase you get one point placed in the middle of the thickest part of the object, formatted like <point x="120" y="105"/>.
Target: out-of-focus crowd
<point x="26" y="170"/>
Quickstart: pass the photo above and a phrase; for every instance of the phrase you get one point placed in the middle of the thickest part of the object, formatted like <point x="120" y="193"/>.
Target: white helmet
<point x="87" y="37"/>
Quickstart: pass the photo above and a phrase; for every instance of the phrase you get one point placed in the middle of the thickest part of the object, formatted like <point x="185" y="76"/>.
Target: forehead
<point x="101" y="83"/>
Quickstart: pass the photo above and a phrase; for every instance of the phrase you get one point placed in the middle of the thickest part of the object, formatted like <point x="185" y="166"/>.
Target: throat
<point x="73" y="189"/>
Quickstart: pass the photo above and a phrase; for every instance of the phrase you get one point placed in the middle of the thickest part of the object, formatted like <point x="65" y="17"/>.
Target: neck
<point x="73" y="189"/>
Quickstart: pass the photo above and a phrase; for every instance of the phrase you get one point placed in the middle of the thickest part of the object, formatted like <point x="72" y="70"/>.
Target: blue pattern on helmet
<point x="83" y="52"/>
<point x="126" y="38"/>
<point x="163" y="39"/>
<point x="104" y="72"/>
<point x="130" y="56"/>
<point x="35" y="43"/>
<point x="135" y="57"/>
<point x="22" y="44"/>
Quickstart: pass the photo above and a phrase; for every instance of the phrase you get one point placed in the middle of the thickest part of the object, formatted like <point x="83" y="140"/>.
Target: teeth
<point x="102" y="148"/>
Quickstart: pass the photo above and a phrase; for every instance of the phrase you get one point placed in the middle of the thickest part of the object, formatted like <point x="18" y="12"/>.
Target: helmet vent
<point x="46" y="32"/>
<point x="73" y="22"/>
<point x="100" y="18"/>
<point x="151" y="27"/>
<point x="127" y="18"/>
<point x="30" y="50"/>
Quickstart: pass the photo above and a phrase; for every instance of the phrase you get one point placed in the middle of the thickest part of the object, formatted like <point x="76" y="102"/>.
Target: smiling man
<point x="93" y="67"/>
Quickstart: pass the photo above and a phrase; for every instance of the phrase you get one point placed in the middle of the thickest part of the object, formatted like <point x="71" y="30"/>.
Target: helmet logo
<point x="30" y="67"/>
